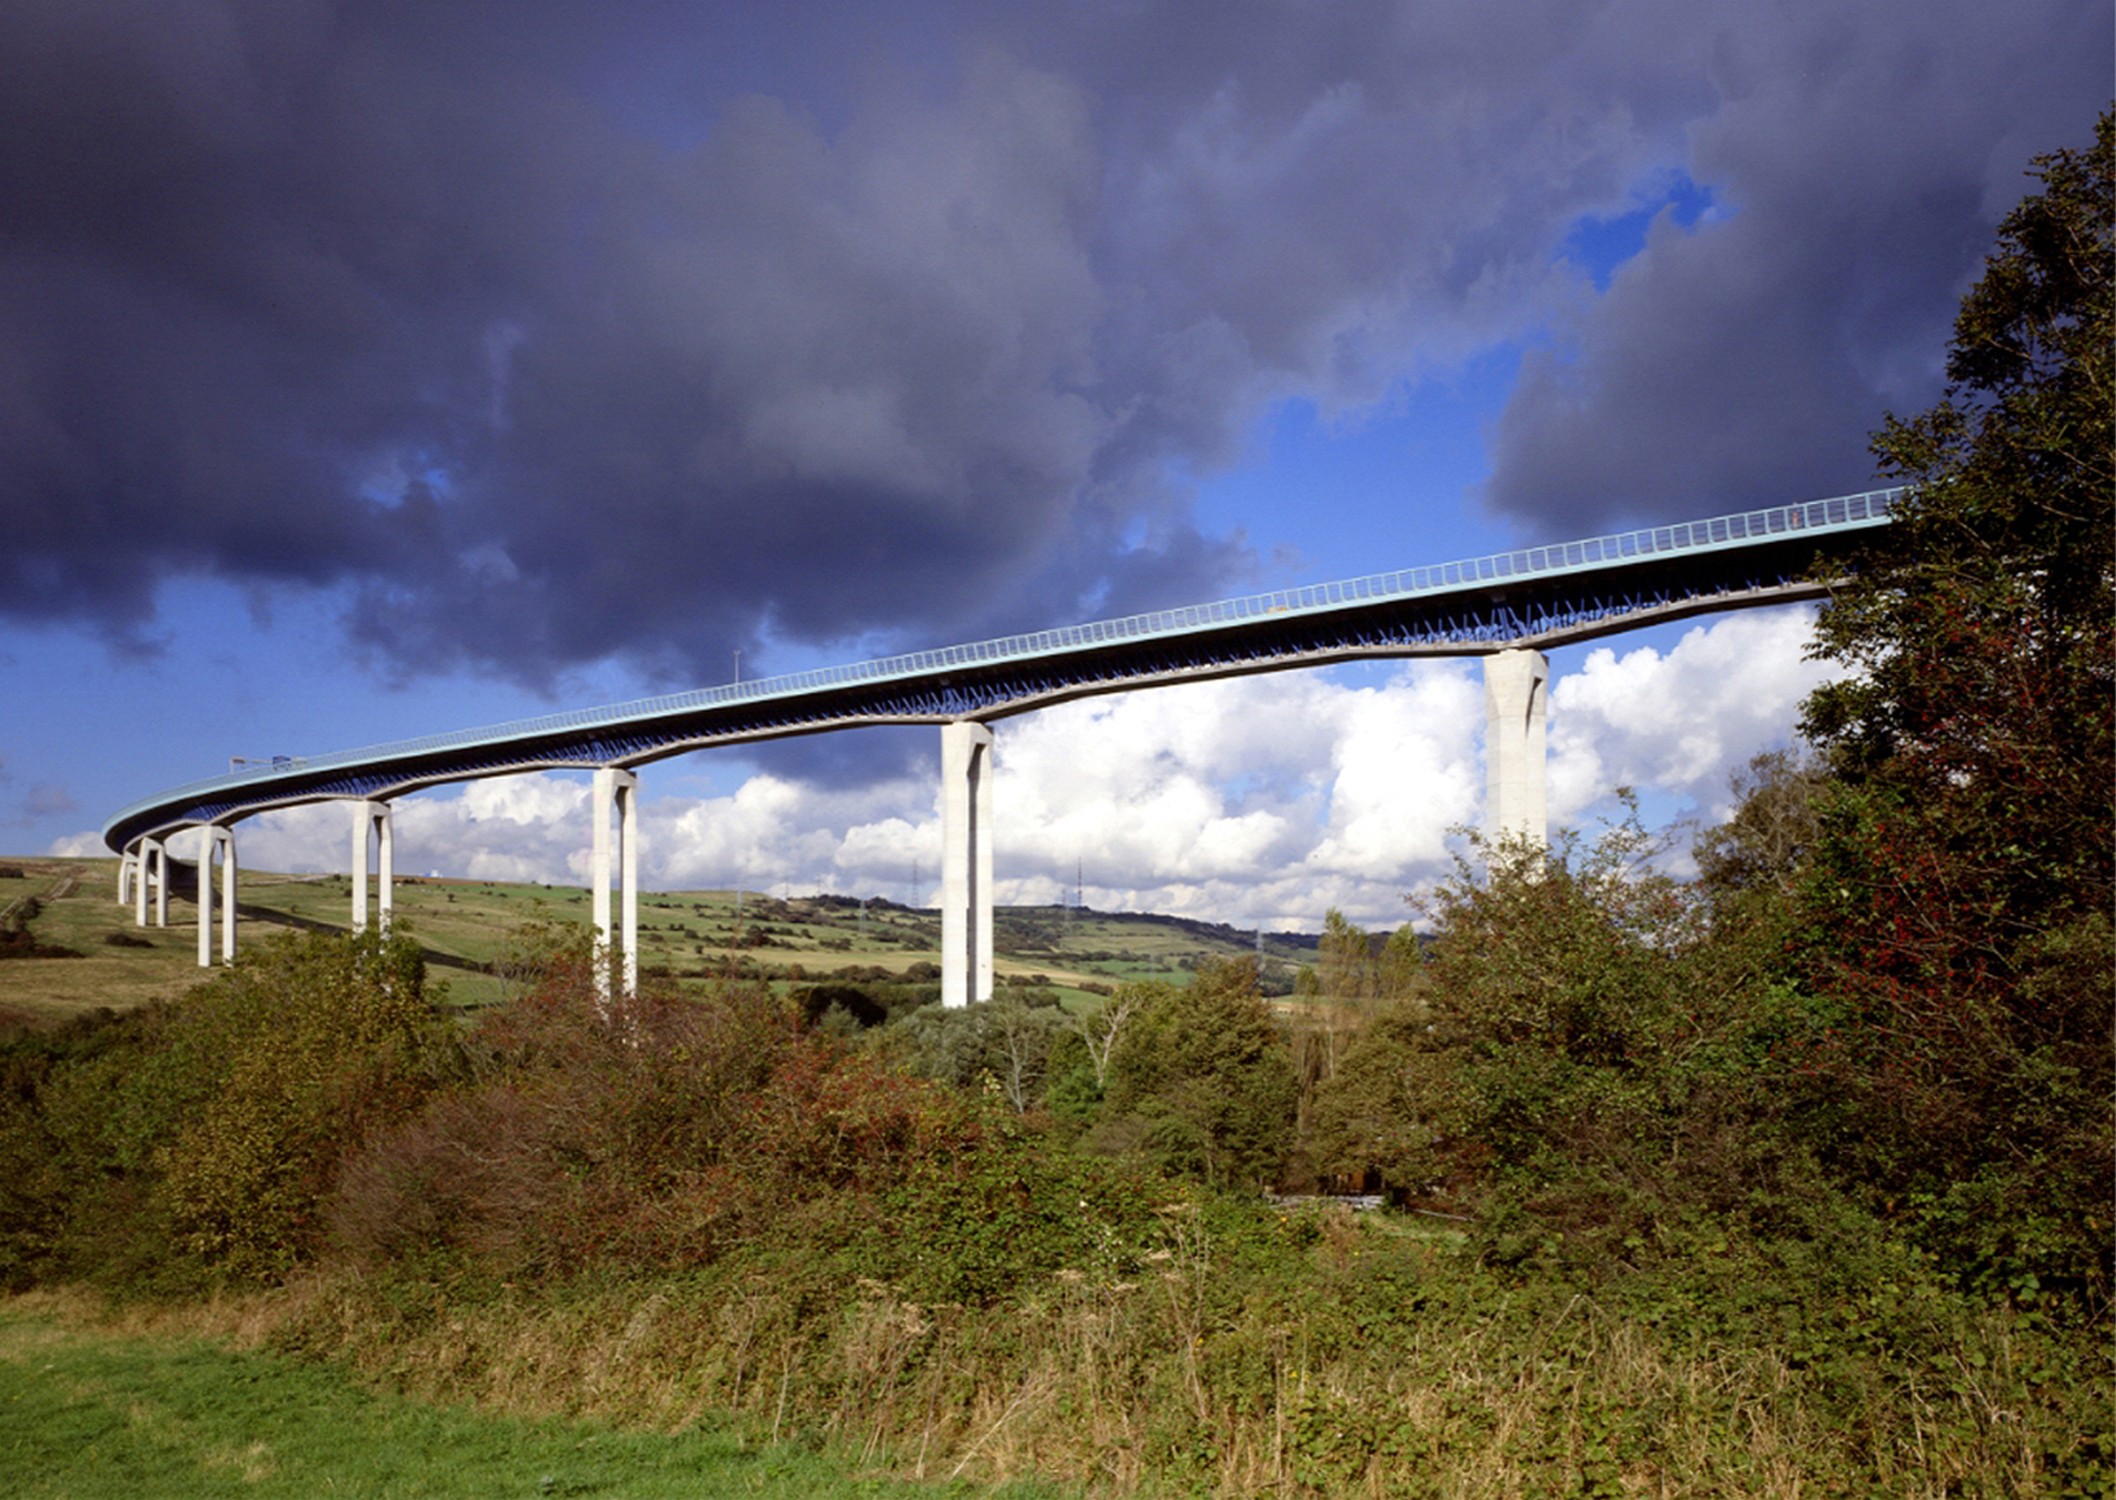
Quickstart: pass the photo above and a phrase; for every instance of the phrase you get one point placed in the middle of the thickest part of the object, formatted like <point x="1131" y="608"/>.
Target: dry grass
<point x="1115" y="1387"/>
<point x="78" y="898"/>
<point x="1154" y="1385"/>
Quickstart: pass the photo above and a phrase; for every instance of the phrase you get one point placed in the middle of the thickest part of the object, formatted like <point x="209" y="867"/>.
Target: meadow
<point x="466" y="927"/>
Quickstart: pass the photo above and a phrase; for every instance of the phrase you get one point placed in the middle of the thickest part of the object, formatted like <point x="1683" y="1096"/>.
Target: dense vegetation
<point x="1789" y="1178"/>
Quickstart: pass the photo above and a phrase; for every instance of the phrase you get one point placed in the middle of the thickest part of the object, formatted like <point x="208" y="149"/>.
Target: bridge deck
<point x="1534" y="596"/>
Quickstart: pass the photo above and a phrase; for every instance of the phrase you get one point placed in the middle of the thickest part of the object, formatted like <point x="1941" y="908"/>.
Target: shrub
<point x="1200" y="1080"/>
<point x="325" y="1039"/>
<point x="1593" y="1071"/>
<point x="580" y="1117"/>
<point x="197" y="1138"/>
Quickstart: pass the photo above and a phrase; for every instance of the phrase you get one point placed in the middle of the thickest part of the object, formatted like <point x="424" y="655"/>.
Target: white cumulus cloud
<point x="1680" y="722"/>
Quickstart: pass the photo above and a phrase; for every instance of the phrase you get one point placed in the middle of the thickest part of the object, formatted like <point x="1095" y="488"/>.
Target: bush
<point x="1201" y="1081"/>
<point x="1591" y="1073"/>
<point x="580" y="1116"/>
<point x="198" y="1138"/>
<point x="655" y="1131"/>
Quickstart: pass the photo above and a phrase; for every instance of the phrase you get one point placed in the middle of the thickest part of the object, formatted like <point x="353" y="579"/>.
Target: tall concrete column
<point x="205" y="897"/>
<point x="214" y="840"/>
<point x="386" y="869"/>
<point x="965" y="863"/>
<point x="615" y="785"/>
<point x="371" y="821"/>
<point x="225" y="837"/>
<point x="363" y="832"/>
<point x="1516" y="694"/>
<point x="153" y="874"/>
<point x="127" y="863"/>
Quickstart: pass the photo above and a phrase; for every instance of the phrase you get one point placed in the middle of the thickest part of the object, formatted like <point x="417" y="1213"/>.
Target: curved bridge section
<point x="1503" y="608"/>
<point x="1526" y="599"/>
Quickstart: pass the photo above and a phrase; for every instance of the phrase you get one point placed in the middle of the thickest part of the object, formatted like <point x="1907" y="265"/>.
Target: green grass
<point x="89" y="1413"/>
<point x="80" y="911"/>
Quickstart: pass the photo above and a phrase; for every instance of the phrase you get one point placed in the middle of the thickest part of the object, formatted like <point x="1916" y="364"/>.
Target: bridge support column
<point x="222" y="840"/>
<point x="128" y="862"/>
<point x="614" y="785"/>
<point x="965" y="863"/>
<point x="1516" y="693"/>
<point x="227" y="911"/>
<point x="371" y="821"/>
<point x="152" y="874"/>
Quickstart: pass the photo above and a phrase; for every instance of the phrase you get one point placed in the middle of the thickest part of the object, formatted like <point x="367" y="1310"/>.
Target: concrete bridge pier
<point x="621" y="787"/>
<point x="152" y="875"/>
<point x="1516" y="696"/>
<point x="371" y="823"/>
<point x="128" y="865"/>
<point x="965" y="863"/>
<point x="215" y="839"/>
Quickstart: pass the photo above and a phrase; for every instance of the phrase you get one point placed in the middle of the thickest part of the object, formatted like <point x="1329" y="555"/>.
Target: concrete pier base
<point x="1516" y="695"/>
<point x="965" y="863"/>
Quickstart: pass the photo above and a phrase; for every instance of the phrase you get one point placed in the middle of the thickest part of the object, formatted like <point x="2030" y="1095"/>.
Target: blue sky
<point x="368" y="371"/>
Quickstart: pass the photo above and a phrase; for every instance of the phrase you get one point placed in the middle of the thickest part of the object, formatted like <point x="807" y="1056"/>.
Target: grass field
<point x="465" y="925"/>
<point x="88" y="1412"/>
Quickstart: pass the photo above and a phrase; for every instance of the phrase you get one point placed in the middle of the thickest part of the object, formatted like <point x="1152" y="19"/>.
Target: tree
<point x="1344" y="959"/>
<point x="1980" y="624"/>
<point x="1005" y="1042"/>
<point x="1101" y="1027"/>
<point x="1578" y="1070"/>
<point x="1959" y="897"/>
<point x="1763" y="847"/>
<point x="1402" y="961"/>
<point x="1375" y="1116"/>
<point x="1019" y="1042"/>
<point x="1200" y="1079"/>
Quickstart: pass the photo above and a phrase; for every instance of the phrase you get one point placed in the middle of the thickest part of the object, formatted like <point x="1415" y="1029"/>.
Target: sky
<point x="373" y="369"/>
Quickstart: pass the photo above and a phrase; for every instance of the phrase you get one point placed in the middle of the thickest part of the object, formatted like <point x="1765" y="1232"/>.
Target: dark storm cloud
<point x="238" y="275"/>
<point x="548" y="332"/>
<point x="1862" y="169"/>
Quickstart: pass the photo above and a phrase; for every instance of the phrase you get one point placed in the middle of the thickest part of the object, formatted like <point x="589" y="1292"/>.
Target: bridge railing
<point x="1839" y="513"/>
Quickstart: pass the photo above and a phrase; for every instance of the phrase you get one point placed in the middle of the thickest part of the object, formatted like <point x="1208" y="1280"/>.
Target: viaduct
<point x="1504" y="608"/>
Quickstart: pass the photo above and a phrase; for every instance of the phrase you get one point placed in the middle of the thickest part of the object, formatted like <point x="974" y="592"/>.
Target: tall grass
<point x="1294" y="1357"/>
<point x="90" y="1411"/>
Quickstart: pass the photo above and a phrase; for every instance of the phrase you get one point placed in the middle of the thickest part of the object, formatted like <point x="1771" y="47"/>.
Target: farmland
<point x="468" y="928"/>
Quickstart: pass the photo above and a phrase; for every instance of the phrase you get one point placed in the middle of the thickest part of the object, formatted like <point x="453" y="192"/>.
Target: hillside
<point x="465" y="926"/>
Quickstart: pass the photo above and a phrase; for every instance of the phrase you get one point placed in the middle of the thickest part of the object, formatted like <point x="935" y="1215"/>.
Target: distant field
<point x="465" y="925"/>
